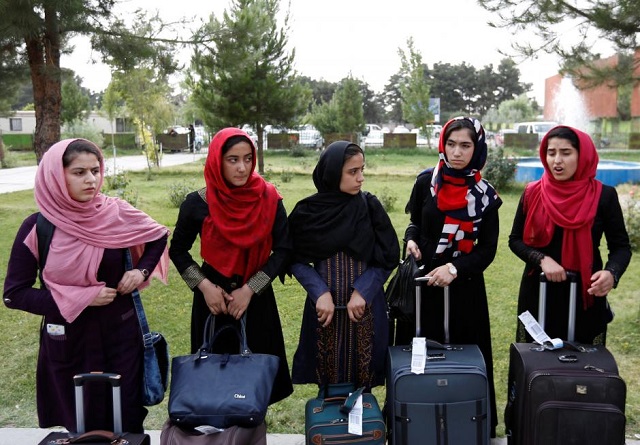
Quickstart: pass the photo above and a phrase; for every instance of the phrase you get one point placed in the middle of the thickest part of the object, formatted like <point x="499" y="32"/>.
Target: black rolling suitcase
<point x="449" y="403"/>
<point x="96" y="437"/>
<point x="572" y="395"/>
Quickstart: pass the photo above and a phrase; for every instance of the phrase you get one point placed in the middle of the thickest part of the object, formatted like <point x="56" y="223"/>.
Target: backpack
<point x="44" y="232"/>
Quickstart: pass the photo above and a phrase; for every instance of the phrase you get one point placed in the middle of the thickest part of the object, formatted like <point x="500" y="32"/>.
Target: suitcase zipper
<point x="588" y="370"/>
<point x="336" y="439"/>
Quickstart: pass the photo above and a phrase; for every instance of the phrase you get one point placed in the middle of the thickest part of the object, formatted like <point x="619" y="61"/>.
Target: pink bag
<point x="174" y="435"/>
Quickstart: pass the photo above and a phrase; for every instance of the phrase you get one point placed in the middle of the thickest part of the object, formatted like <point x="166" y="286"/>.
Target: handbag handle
<point x="210" y="334"/>
<point x="147" y="338"/>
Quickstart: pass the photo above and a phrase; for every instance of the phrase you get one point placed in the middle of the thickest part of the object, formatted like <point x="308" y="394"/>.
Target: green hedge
<point x="18" y="142"/>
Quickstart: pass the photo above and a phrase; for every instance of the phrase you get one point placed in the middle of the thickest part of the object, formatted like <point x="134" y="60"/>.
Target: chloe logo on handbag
<point x="239" y="396"/>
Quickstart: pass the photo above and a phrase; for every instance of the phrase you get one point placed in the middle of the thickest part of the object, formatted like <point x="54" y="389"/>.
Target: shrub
<point x="179" y="191"/>
<point x="298" y="151"/>
<point x="116" y="181"/>
<point x="388" y="199"/>
<point x="631" y="211"/>
<point x="499" y="170"/>
<point x="286" y="176"/>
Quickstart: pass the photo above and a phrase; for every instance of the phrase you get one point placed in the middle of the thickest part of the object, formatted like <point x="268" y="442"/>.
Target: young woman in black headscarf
<point x="345" y="248"/>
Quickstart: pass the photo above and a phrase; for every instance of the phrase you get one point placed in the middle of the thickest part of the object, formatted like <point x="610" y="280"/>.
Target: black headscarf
<point x="331" y="221"/>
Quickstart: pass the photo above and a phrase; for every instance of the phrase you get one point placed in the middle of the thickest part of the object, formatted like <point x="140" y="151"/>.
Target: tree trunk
<point x="44" y="61"/>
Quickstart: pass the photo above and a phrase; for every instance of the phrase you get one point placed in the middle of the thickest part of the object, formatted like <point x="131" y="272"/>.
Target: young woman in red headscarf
<point x="89" y="321"/>
<point x="454" y="232"/>
<point x="244" y="244"/>
<point x="557" y="228"/>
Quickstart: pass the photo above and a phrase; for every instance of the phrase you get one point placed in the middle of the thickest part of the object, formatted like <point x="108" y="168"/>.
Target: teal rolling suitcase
<point x="327" y="420"/>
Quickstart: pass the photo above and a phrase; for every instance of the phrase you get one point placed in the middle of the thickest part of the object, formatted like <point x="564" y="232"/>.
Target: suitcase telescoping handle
<point x="447" y="308"/>
<point x="542" y="303"/>
<point x="114" y="379"/>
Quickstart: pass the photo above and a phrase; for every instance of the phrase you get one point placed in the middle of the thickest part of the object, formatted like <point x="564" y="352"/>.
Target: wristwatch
<point x="452" y="269"/>
<point x="145" y="274"/>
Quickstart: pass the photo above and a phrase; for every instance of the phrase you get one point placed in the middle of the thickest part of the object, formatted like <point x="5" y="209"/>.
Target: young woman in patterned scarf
<point x="454" y="231"/>
<point x="558" y="227"/>
<point x="245" y="244"/>
<point x="344" y="250"/>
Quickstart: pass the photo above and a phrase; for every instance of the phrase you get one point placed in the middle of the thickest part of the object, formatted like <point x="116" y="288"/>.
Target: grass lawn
<point x="390" y="175"/>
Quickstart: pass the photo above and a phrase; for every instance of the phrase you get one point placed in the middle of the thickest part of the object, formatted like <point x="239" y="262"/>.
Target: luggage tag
<point x="208" y="429"/>
<point x="418" y="355"/>
<point x="538" y="334"/>
<point x="355" y="418"/>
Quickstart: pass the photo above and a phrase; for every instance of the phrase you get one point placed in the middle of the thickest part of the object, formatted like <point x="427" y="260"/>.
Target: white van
<point x="541" y="128"/>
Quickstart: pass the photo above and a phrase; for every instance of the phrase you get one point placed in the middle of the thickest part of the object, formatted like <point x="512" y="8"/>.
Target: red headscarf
<point x="83" y="231"/>
<point x="571" y="205"/>
<point x="236" y="236"/>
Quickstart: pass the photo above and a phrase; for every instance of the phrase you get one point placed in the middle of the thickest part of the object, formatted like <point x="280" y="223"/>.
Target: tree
<point x="415" y="88"/>
<point x="349" y="111"/>
<point x="75" y="104"/>
<point x="246" y="76"/>
<point x="614" y="21"/>
<point x="392" y="98"/>
<point x="34" y="34"/>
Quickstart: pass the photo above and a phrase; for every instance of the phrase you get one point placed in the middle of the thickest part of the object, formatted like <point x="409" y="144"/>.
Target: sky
<point x="335" y="38"/>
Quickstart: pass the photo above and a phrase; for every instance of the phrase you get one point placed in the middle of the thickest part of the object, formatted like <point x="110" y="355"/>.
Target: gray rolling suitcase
<point x="566" y="396"/>
<point x="449" y="403"/>
<point x="96" y="437"/>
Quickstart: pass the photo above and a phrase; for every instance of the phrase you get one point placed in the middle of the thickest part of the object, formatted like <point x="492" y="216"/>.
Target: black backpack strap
<point x="44" y="231"/>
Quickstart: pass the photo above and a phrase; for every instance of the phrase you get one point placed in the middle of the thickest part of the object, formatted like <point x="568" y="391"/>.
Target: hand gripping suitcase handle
<point x="447" y="308"/>
<point x="542" y="303"/>
<point x="114" y="380"/>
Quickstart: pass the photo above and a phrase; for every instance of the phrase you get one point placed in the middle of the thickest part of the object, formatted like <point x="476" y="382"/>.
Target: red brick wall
<point x="635" y="95"/>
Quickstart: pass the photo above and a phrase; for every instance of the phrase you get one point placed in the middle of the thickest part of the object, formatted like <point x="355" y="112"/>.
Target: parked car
<point x="421" y="139"/>
<point x="310" y="137"/>
<point x="375" y="138"/>
<point x="371" y="127"/>
<point x="541" y="128"/>
<point x="434" y="130"/>
<point x="401" y="129"/>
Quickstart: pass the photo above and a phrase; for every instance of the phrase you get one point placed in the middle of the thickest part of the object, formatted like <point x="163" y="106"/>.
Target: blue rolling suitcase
<point x="449" y="403"/>
<point x="572" y="395"/>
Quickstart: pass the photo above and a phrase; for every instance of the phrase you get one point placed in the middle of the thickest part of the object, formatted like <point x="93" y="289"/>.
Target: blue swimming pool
<point x="609" y="172"/>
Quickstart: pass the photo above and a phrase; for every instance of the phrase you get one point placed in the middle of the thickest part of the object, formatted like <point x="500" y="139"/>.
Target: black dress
<point x="104" y="338"/>
<point x="264" y="331"/>
<point x="469" y="322"/>
<point x="591" y="324"/>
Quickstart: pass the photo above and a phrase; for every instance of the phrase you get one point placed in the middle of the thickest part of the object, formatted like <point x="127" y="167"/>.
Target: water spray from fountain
<point x="569" y="106"/>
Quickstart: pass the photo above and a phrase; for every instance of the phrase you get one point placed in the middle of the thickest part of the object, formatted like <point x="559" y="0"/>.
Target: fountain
<point x="570" y="109"/>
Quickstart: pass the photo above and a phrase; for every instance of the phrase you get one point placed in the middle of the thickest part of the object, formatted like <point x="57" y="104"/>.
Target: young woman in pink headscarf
<point x="89" y="323"/>
<point x="558" y="227"/>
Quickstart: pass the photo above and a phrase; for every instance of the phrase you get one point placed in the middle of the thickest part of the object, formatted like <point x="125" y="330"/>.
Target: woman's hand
<point x="601" y="283"/>
<point x="240" y="299"/>
<point x="356" y="306"/>
<point x="440" y="276"/>
<point x="325" y="309"/>
<point x="130" y="281"/>
<point x="104" y="297"/>
<point x="215" y="297"/>
<point x="552" y="270"/>
<point x="413" y="249"/>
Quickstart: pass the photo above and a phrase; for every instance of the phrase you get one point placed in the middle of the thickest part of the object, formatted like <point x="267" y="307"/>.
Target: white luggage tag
<point x="418" y="355"/>
<point x="537" y="333"/>
<point x="355" y="418"/>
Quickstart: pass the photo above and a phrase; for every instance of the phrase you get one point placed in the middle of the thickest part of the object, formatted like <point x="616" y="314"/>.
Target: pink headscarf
<point x="83" y="231"/>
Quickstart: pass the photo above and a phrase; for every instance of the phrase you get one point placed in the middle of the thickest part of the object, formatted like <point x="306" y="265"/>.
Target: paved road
<point x="22" y="178"/>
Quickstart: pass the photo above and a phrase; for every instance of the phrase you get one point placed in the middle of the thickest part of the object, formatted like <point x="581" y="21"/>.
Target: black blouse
<point x="193" y="212"/>
<point x="608" y="220"/>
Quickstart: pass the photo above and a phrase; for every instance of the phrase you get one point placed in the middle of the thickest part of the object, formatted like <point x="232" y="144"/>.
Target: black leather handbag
<point x="401" y="291"/>
<point x="221" y="390"/>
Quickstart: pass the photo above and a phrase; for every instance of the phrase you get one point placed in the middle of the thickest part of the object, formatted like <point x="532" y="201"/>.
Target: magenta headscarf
<point x="83" y="231"/>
